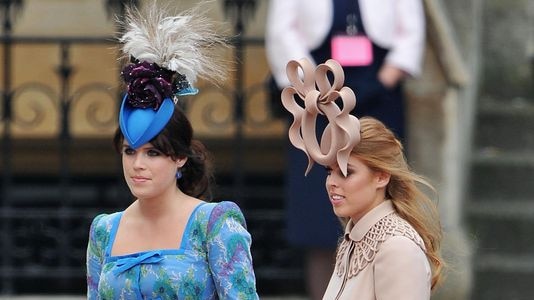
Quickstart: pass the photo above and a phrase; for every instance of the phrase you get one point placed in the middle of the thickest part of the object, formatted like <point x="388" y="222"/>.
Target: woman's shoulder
<point x="219" y="213"/>
<point x="225" y="208"/>
<point x="394" y="225"/>
<point x="105" y="219"/>
<point x="219" y="209"/>
<point x="102" y="224"/>
<point x="388" y="231"/>
<point x="100" y="231"/>
<point x="215" y="212"/>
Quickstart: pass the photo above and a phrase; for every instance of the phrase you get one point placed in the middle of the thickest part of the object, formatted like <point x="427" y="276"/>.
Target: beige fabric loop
<point x="308" y="81"/>
<point x="329" y="90"/>
<point x="318" y="96"/>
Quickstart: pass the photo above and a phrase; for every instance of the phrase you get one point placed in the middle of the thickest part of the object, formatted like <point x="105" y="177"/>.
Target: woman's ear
<point x="180" y="161"/>
<point x="382" y="179"/>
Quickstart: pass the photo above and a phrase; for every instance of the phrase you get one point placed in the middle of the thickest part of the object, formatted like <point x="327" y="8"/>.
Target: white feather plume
<point x="184" y="43"/>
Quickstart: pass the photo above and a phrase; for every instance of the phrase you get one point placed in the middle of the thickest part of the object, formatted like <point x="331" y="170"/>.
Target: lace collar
<point x="357" y="231"/>
<point x="362" y="240"/>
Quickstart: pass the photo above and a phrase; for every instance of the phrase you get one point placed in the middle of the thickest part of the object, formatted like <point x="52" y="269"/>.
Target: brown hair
<point x="381" y="151"/>
<point x="176" y="140"/>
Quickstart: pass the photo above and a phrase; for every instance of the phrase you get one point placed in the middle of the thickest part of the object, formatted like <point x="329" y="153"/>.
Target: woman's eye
<point x="328" y="171"/>
<point x="128" y="151"/>
<point x="153" y="153"/>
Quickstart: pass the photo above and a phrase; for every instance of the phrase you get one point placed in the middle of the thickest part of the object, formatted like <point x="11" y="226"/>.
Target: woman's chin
<point x="339" y="212"/>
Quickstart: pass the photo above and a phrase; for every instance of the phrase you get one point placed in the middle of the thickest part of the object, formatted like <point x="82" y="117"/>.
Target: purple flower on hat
<point x="148" y="84"/>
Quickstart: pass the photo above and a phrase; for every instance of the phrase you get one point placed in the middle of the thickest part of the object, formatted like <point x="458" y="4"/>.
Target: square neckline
<point x="166" y="251"/>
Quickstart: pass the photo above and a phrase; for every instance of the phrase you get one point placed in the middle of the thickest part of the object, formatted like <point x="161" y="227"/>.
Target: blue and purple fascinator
<point x="149" y="102"/>
<point x="167" y="54"/>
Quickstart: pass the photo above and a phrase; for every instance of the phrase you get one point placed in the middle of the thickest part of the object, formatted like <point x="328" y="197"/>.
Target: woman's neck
<point x="163" y="205"/>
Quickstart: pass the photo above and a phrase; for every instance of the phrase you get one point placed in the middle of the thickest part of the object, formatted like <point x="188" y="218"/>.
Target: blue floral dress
<point x="213" y="261"/>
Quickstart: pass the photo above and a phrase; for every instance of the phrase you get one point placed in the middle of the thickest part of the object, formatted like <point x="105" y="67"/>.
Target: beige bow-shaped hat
<point x="319" y="95"/>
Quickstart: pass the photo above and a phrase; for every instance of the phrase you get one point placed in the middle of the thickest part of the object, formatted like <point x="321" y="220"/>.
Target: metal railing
<point x="52" y="186"/>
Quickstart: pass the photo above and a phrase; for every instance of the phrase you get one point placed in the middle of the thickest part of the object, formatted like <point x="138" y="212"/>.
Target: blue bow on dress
<point x="126" y="263"/>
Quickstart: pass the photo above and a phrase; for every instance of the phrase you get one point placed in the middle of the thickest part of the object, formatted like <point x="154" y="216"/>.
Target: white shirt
<point x="295" y="27"/>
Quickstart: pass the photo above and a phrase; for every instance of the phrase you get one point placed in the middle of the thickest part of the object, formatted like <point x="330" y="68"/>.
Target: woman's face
<point x="148" y="172"/>
<point x="355" y="195"/>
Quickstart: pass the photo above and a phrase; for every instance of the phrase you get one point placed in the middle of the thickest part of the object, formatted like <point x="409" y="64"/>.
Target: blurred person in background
<point x="378" y="43"/>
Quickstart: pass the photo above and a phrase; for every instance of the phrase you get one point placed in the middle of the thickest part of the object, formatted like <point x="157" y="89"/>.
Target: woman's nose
<point x="331" y="180"/>
<point x="138" y="162"/>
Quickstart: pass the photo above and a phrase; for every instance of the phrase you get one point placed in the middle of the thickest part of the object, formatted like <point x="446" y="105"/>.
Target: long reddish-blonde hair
<point x="381" y="151"/>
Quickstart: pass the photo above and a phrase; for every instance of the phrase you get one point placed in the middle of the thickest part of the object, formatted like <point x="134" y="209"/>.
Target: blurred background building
<point x="471" y="131"/>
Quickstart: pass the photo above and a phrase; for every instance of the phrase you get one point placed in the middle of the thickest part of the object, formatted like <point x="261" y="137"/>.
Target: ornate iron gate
<point x="45" y="215"/>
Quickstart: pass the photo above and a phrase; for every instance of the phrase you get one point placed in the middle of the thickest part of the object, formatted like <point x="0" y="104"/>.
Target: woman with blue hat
<point x="169" y="243"/>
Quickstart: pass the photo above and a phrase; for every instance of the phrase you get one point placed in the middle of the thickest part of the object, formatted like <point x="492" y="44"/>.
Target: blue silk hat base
<point x="140" y="125"/>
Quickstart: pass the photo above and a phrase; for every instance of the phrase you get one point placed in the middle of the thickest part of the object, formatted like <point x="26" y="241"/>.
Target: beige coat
<point x="381" y="257"/>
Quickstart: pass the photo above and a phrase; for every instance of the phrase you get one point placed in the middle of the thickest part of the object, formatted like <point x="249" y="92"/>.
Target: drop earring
<point x="178" y="174"/>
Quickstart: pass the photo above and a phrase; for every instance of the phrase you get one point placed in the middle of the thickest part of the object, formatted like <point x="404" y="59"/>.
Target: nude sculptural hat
<point x="318" y="96"/>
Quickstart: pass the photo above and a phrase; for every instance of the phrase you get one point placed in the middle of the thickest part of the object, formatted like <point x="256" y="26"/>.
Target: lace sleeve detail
<point x="363" y="252"/>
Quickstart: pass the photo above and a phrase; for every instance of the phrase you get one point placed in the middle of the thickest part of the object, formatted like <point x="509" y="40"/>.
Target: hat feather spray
<point x="168" y="54"/>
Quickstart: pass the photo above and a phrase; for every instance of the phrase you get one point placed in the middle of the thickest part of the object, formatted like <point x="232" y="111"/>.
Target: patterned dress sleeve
<point x="229" y="257"/>
<point x="95" y="255"/>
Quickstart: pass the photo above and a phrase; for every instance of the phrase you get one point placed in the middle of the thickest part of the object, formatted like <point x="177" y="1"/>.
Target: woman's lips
<point x="139" y="179"/>
<point x="336" y="199"/>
